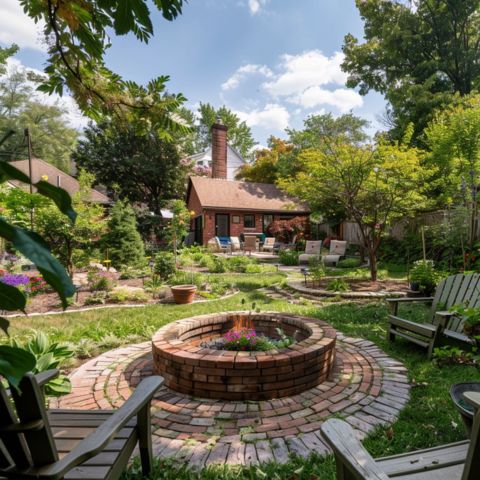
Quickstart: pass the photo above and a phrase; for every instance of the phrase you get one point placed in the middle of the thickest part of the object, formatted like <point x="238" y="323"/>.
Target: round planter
<point x="414" y="286"/>
<point x="183" y="294"/>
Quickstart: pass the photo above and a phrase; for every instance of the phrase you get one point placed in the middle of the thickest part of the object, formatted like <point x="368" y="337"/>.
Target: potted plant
<point x="183" y="294"/>
<point x="471" y="321"/>
<point x="423" y="277"/>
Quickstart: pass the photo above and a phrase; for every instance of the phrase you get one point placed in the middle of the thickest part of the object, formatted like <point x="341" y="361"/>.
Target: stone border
<point x="319" y="292"/>
<point x="192" y="369"/>
<point x="368" y="389"/>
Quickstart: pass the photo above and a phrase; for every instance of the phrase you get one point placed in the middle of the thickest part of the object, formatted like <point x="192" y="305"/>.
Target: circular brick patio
<point x="367" y="388"/>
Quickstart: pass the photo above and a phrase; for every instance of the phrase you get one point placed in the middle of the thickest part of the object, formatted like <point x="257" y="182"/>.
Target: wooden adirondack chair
<point x="453" y="290"/>
<point x="72" y="444"/>
<point x="455" y="461"/>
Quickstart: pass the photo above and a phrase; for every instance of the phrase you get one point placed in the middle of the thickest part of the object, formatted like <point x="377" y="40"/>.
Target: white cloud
<point x="272" y="117"/>
<point x="72" y="114"/>
<point x="256" y="5"/>
<point x="342" y="98"/>
<point x="17" y="27"/>
<point x="243" y="72"/>
<point x="303" y="80"/>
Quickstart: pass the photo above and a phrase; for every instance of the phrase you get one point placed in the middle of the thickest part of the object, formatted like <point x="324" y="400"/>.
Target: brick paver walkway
<point x="367" y="389"/>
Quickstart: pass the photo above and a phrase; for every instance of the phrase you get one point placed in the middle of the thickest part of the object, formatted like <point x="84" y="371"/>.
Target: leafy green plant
<point x="96" y="298"/>
<point x="288" y="257"/>
<point x="48" y="355"/>
<point x="337" y="285"/>
<point x="349" y="263"/>
<point x="99" y="280"/>
<point x="423" y="272"/>
<point x="125" y="294"/>
<point x="471" y="319"/>
<point x="217" y="265"/>
<point x="316" y="269"/>
<point x="164" y="265"/>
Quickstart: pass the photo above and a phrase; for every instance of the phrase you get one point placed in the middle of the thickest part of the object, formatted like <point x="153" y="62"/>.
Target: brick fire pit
<point x="192" y="369"/>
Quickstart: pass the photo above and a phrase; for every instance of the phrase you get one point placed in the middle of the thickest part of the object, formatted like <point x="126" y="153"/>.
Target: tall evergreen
<point x="123" y="241"/>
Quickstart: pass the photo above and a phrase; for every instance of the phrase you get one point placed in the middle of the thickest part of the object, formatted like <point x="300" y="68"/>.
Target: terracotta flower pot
<point x="183" y="294"/>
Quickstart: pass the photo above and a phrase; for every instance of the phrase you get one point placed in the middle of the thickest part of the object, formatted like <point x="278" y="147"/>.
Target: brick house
<point x="224" y="208"/>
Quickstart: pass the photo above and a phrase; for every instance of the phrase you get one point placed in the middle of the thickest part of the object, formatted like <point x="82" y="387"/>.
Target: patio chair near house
<point x="442" y="324"/>
<point x="268" y="244"/>
<point x="454" y="461"/>
<point x="250" y="244"/>
<point x="235" y="244"/>
<point x="338" y="249"/>
<point x="312" y="251"/>
<point x="222" y="244"/>
<point x="74" y="444"/>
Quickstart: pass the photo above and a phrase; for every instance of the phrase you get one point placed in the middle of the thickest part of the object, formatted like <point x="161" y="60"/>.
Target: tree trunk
<point x="372" y="255"/>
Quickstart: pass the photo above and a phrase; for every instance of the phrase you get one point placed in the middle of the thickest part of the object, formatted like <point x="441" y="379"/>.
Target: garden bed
<point x="357" y="288"/>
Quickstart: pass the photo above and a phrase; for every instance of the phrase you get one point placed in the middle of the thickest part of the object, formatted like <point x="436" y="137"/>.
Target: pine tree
<point x="124" y="243"/>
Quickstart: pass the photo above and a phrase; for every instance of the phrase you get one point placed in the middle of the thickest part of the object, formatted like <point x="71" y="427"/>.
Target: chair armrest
<point x="444" y="317"/>
<point x="43" y="378"/>
<point x="350" y="452"/>
<point x="473" y="398"/>
<point x="96" y="441"/>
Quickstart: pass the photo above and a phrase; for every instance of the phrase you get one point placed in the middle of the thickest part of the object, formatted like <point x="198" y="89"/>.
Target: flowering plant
<point x="37" y="285"/>
<point x="20" y="281"/>
<point x="245" y="339"/>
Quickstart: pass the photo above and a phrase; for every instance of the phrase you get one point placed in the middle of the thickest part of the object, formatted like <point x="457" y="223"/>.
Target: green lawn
<point x="429" y="419"/>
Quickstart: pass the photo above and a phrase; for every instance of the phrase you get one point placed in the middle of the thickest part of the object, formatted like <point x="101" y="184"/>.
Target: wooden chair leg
<point x="145" y="439"/>
<point x="391" y="334"/>
<point x="435" y="341"/>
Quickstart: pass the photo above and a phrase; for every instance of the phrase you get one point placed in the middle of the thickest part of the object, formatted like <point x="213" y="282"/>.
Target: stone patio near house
<point x="367" y="388"/>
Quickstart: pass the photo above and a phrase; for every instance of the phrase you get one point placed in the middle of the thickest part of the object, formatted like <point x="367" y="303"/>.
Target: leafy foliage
<point x="123" y="242"/>
<point x="48" y="355"/>
<point x="77" y="35"/>
<point x="139" y="168"/>
<point x="164" y="265"/>
<point x="417" y="57"/>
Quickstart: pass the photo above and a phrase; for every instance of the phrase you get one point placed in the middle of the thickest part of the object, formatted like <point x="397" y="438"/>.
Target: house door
<point x="222" y="225"/>
<point x="266" y="221"/>
<point x="198" y="229"/>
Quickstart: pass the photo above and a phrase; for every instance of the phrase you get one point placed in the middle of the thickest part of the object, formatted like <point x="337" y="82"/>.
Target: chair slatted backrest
<point x="454" y="290"/>
<point x="313" y="247"/>
<point x="269" y="241"/>
<point x="35" y="445"/>
<point x="338" y="247"/>
<point x="250" y="242"/>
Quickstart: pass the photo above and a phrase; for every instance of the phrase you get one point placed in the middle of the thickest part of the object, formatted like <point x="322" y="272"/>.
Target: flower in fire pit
<point x="244" y="339"/>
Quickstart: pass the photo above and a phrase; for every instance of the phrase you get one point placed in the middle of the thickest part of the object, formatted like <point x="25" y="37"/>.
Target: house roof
<point x="56" y="177"/>
<point x="228" y="194"/>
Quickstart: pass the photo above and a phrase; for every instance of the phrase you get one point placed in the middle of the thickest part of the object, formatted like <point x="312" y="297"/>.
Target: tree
<point x="417" y="54"/>
<point x="78" y="34"/>
<point x="239" y="133"/>
<point x="264" y="169"/>
<point x="142" y="169"/>
<point x="179" y="225"/>
<point x="66" y="240"/>
<point x="52" y="139"/>
<point x="123" y="242"/>
<point x="454" y="140"/>
<point x="373" y="185"/>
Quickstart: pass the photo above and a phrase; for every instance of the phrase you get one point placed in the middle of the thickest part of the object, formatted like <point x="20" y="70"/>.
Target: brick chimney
<point x="219" y="149"/>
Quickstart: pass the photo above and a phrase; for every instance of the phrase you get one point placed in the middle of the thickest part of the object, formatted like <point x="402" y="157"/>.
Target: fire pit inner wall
<point x="192" y="369"/>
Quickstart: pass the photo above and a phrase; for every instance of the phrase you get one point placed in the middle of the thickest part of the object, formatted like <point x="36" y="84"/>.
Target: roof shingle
<point x="233" y="195"/>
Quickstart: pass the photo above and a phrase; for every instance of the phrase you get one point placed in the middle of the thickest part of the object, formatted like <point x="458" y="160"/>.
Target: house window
<point x="267" y="220"/>
<point x="249" y="221"/>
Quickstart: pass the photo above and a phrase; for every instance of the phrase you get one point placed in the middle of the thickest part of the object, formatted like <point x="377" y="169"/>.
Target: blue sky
<point x="272" y="61"/>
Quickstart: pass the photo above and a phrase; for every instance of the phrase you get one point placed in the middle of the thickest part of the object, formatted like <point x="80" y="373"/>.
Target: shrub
<point x="349" y="263"/>
<point x="254" y="268"/>
<point x="338" y="285"/>
<point x="37" y="285"/>
<point x="239" y="264"/>
<point x="128" y="272"/>
<point x="96" y="298"/>
<point x="217" y="265"/>
<point x="100" y="281"/>
<point x="125" y="294"/>
<point x="164" y="265"/>
<point x="423" y="272"/>
<point x="123" y="241"/>
<point x="48" y="355"/>
<point x="288" y="257"/>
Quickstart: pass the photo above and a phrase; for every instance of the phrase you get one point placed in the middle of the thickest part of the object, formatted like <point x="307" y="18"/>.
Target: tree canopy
<point x="143" y="169"/>
<point x="77" y="35"/>
<point x="52" y="138"/>
<point x="417" y="54"/>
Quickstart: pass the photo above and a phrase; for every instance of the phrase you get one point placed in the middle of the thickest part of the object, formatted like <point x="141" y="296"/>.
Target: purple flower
<point x="16" y="280"/>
